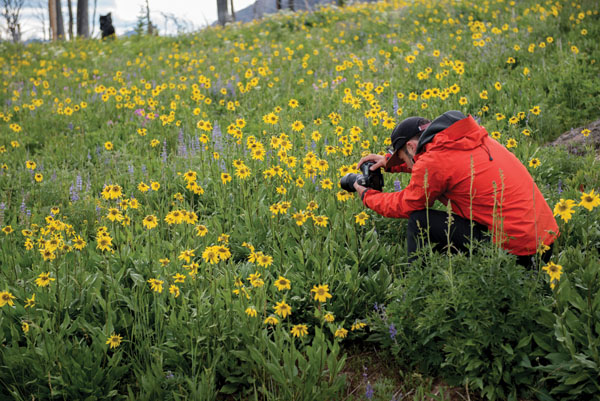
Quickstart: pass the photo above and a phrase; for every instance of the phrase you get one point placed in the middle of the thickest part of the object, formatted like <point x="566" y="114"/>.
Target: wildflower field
<point x="172" y="226"/>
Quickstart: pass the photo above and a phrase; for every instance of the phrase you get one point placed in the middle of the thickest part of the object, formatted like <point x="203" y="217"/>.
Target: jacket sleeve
<point x="398" y="168"/>
<point x="413" y="197"/>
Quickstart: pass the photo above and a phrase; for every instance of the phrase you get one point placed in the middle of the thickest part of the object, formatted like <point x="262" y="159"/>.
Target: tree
<point x="52" y="18"/>
<point x="70" y="8"/>
<point x="222" y="11"/>
<point x="149" y="25"/>
<point x="291" y="4"/>
<point x="11" y="10"/>
<point x="60" y="27"/>
<point x="83" y="25"/>
<point x="94" y="18"/>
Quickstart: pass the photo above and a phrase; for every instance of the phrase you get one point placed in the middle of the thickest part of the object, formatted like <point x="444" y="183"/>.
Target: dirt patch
<point x="371" y="370"/>
<point x="577" y="140"/>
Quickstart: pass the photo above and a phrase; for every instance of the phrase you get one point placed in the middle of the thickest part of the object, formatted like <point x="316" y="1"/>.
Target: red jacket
<point x="501" y="192"/>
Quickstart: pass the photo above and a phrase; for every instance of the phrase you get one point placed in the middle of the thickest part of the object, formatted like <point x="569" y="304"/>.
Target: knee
<point x="417" y="219"/>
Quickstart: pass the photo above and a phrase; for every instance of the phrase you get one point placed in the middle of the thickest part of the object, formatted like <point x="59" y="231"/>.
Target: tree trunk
<point x="70" y="7"/>
<point x="60" y="26"/>
<point x="291" y="4"/>
<point x="232" y="12"/>
<point x="83" y="25"/>
<point x="52" y="17"/>
<point x="222" y="11"/>
<point x="148" y="22"/>
<point x="278" y="4"/>
<point x="94" y="18"/>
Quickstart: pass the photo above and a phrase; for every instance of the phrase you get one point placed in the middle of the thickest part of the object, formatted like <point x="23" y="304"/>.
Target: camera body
<point x="370" y="179"/>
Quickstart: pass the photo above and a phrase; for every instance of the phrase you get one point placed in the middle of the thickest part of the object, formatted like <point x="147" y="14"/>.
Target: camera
<point x="370" y="179"/>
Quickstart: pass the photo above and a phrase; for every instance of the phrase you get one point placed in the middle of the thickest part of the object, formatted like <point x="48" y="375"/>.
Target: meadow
<point x="172" y="226"/>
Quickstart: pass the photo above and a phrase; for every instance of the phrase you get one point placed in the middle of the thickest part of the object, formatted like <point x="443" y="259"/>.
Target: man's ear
<point x="411" y="146"/>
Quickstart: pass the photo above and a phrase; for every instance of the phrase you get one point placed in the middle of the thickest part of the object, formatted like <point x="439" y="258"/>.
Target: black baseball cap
<point x="404" y="131"/>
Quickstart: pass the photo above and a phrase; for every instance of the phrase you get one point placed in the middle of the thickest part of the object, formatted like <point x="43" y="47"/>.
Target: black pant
<point x="460" y="234"/>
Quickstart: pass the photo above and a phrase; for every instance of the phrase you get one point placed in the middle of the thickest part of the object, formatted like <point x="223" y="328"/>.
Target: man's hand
<point x="379" y="160"/>
<point x="359" y="189"/>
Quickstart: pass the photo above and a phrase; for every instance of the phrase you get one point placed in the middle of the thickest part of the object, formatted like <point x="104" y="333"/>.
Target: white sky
<point x="194" y="14"/>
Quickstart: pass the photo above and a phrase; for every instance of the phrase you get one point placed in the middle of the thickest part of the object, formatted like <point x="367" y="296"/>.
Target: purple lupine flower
<point x="393" y="331"/>
<point x="23" y="206"/>
<point x="397" y="186"/>
<point x="73" y="193"/>
<point x="70" y="126"/>
<point x="217" y="137"/>
<point x="78" y="183"/>
<point x="130" y="170"/>
<point x="181" y="148"/>
<point x="369" y="392"/>
<point x="560" y="186"/>
<point x="144" y="169"/>
<point x="396" y="107"/>
<point x="2" y="208"/>
<point x="164" y="152"/>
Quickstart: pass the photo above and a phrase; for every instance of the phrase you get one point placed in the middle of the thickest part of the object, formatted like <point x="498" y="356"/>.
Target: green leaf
<point x="507" y="348"/>
<point x="576" y="378"/>
<point x="524" y="341"/>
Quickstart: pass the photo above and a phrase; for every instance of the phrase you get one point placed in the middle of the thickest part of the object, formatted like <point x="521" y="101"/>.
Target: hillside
<point x="172" y="225"/>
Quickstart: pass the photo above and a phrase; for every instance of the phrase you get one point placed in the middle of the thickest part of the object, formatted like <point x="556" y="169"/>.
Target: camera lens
<point x="347" y="182"/>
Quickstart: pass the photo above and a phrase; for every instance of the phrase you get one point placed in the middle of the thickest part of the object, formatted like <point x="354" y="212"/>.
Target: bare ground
<point x="575" y="141"/>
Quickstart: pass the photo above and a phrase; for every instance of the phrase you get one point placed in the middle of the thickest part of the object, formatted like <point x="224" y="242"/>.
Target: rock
<point x="575" y="142"/>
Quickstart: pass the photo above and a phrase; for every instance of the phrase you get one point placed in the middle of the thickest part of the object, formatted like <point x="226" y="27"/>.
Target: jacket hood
<point x="469" y="136"/>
